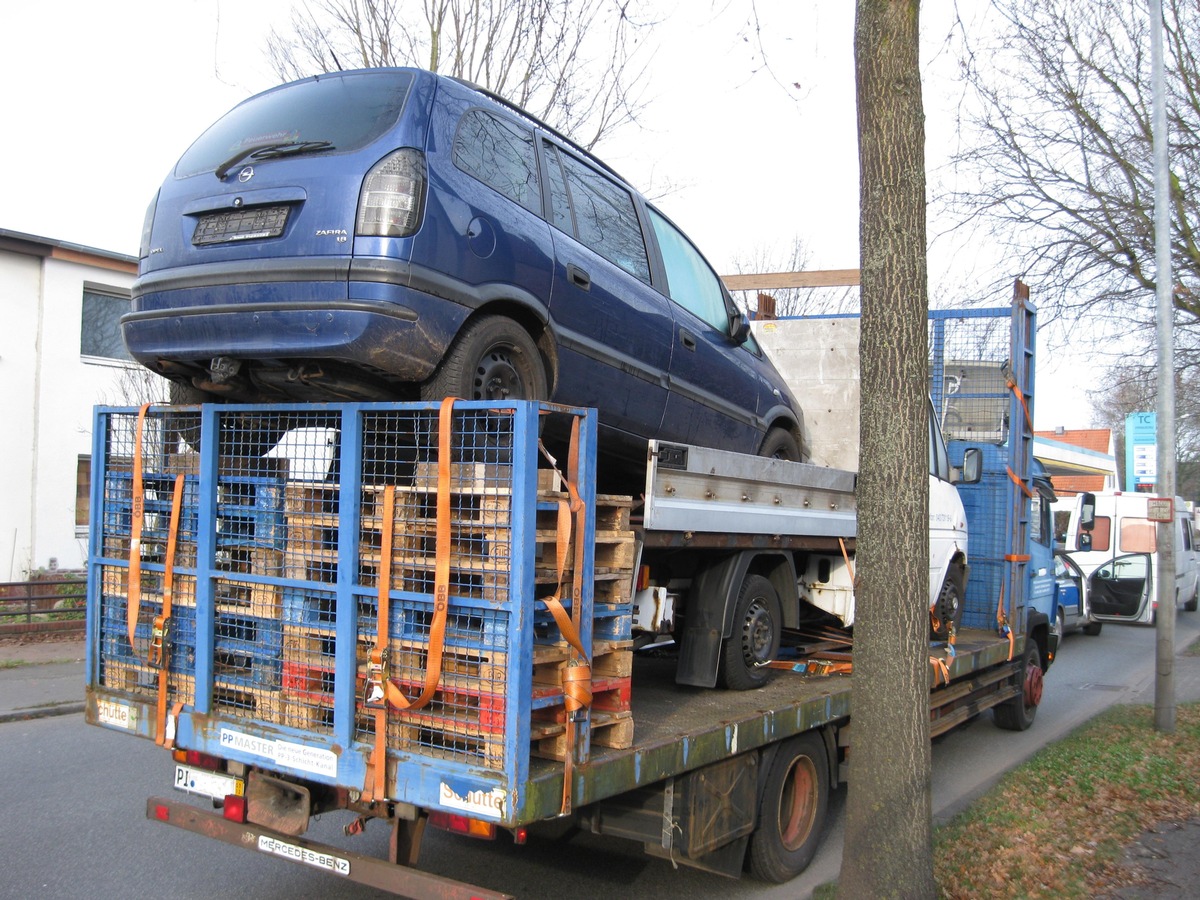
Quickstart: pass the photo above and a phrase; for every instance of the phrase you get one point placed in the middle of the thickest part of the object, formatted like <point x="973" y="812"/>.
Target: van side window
<point x="1138" y="535"/>
<point x="690" y="281"/>
<point x="1187" y="534"/>
<point x="500" y="154"/>
<point x="605" y="218"/>
<point x="1101" y="534"/>
<point x="561" y="216"/>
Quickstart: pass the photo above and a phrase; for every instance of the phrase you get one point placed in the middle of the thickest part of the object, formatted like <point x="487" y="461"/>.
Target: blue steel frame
<point x="998" y="507"/>
<point x="418" y="780"/>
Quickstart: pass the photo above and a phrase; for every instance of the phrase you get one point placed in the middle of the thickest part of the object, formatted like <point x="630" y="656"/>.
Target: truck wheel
<point x="493" y="358"/>
<point x="1018" y="713"/>
<point x="791" y="810"/>
<point x="948" y="610"/>
<point x="780" y="444"/>
<point x="757" y="629"/>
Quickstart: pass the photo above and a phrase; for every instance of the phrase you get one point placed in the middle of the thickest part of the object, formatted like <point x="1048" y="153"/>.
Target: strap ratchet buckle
<point x="158" y="640"/>
<point x="374" y="693"/>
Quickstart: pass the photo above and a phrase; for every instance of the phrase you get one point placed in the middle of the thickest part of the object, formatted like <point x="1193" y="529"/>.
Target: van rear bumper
<point x="277" y="316"/>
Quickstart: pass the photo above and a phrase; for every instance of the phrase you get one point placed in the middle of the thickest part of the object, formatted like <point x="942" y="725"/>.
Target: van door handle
<point x="578" y="277"/>
<point x="687" y="339"/>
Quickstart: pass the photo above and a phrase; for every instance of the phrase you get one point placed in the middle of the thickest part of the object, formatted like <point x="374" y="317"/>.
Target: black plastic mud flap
<point x="709" y="608"/>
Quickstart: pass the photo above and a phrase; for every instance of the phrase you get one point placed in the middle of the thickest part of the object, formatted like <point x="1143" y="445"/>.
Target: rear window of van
<point x="347" y="111"/>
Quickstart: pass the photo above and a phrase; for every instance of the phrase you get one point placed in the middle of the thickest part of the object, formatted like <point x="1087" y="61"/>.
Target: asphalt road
<point x="74" y="823"/>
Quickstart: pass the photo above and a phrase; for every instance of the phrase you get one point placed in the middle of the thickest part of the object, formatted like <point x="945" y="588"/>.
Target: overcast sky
<point x="103" y="97"/>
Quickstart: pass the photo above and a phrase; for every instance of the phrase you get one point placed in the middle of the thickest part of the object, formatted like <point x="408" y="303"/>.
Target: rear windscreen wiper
<point x="271" y="151"/>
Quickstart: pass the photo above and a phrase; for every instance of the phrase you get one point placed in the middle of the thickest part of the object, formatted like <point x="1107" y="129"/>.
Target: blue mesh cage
<point x="276" y="562"/>
<point x="981" y="383"/>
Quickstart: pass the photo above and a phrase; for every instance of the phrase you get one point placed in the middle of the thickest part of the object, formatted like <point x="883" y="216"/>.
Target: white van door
<point x="1120" y="589"/>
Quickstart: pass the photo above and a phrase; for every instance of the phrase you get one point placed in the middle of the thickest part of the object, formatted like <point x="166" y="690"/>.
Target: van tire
<point x="757" y="631"/>
<point x="791" y="810"/>
<point x="780" y="444"/>
<point x="244" y="435"/>
<point x="948" y="609"/>
<point x="1190" y="606"/>
<point x="493" y="358"/>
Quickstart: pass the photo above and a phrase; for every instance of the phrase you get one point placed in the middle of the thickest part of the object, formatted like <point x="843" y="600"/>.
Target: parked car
<point x="1071" y="591"/>
<point x="396" y="234"/>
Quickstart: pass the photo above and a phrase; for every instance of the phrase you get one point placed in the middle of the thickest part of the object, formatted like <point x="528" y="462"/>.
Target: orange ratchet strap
<point x="941" y="671"/>
<point x="1018" y="482"/>
<point x="134" y="600"/>
<point x="577" y="676"/>
<point x="1016" y="389"/>
<point x="1002" y="623"/>
<point x="380" y="689"/>
<point x="160" y="645"/>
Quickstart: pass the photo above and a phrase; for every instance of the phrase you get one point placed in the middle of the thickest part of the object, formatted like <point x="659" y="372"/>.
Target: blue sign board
<point x="1141" y="450"/>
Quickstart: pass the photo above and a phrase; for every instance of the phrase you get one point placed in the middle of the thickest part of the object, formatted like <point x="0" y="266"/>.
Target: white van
<point x="1119" y="555"/>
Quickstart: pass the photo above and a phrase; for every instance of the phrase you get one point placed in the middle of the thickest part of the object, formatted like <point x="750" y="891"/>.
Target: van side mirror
<point x="972" y="467"/>
<point x="1087" y="513"/>
<point x="739" y="328"/>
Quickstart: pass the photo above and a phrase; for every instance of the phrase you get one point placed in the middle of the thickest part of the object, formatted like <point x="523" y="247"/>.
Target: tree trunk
<point x="888" y="849"/>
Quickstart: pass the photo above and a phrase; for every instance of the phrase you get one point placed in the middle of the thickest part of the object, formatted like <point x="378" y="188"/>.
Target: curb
<point x="41" y="712"/>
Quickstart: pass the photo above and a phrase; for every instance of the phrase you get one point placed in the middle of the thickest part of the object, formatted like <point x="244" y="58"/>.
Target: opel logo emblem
<point x="246" y="174"/>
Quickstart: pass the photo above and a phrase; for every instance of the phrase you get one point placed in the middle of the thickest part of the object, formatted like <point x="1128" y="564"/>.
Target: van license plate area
<point x="240" y="225"/>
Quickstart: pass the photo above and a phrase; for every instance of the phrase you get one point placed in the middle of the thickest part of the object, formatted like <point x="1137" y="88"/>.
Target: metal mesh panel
<point x="971" y="384"/>
<point x="969" y="369"/>
<point x="466" y="716"/>
<point x="124" y="662"/>
<point x="280" y="553"/>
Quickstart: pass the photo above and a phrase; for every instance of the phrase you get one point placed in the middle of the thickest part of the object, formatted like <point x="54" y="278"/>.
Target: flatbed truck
<point x="472" y="666"/>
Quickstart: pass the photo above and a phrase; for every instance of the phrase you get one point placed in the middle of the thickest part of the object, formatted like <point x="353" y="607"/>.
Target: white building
<point x="60" y="354"/>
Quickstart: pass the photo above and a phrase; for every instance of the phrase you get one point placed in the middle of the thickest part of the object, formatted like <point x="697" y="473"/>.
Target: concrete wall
<point x="49" y="389"/>
<point x="819" y="360"/>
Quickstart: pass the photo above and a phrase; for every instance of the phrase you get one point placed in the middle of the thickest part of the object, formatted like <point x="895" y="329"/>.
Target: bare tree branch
<point x="1063" y="157"/>
<point x="576" y="64"/>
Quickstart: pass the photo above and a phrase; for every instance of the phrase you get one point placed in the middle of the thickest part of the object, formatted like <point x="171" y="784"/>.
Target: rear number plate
<point x="241" y="225"/>
<point x="215" y="785"/>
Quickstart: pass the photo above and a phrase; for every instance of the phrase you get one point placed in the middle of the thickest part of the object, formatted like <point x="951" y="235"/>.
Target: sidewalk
<point x="40" y="678"/>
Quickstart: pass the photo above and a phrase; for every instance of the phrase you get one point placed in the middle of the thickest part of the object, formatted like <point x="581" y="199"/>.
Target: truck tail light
<point x="643" y="578"/>
<point x="235" y="808"/>
<point x="392" y="199"/>
<point x="462" y="825"/>
<point x="197" y="759"/>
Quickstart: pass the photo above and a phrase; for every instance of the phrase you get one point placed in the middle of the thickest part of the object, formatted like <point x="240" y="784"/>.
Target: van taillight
<point x="147" y="227"/>
<point x="393" y="196"/>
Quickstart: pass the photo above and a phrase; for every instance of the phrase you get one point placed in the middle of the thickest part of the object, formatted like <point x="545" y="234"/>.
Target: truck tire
<point x="1018" y="713"/>
<point x="948" y="610"/>
<point x="493" y="358"/>
<point x="791" y="810"/>
<point x="757" y="630"/>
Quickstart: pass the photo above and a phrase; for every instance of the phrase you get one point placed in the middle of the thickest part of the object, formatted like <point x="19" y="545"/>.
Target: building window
<point x="100" y="332"/>
<point x="83" y="492"/>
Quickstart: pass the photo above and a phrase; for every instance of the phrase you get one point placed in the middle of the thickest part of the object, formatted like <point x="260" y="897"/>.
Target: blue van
<point x="393" y="234"/>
